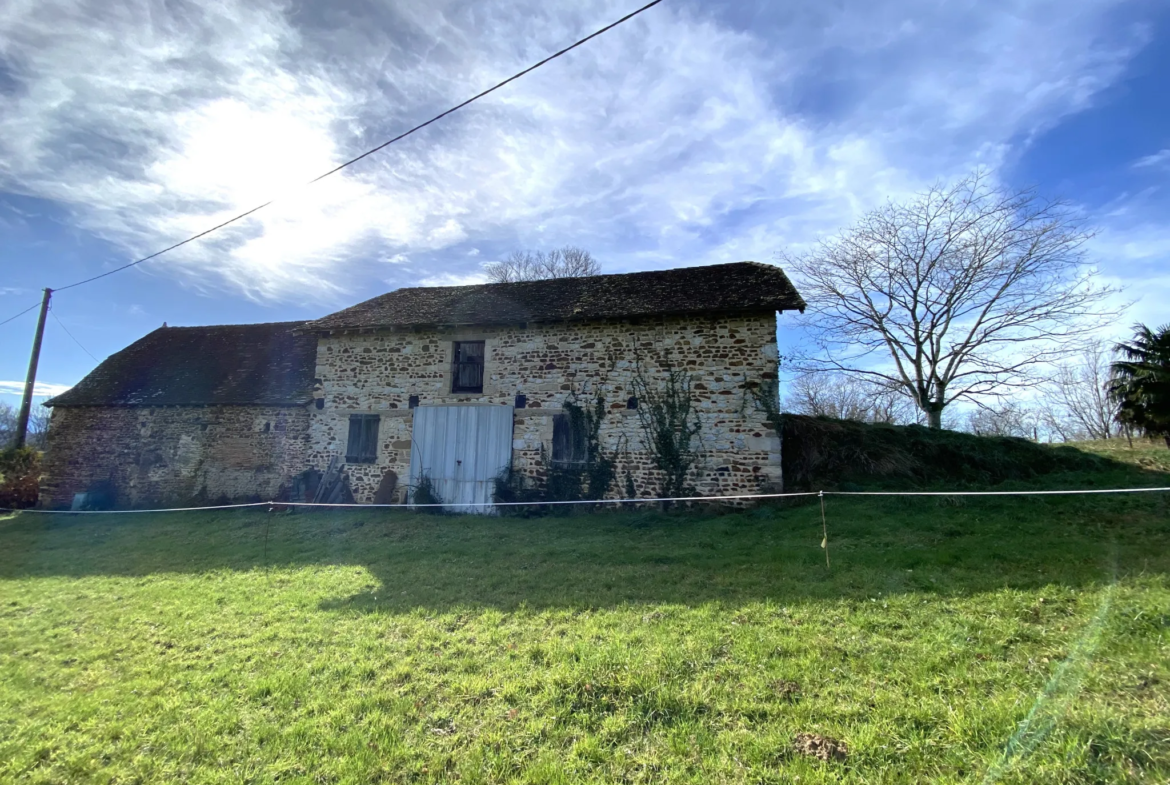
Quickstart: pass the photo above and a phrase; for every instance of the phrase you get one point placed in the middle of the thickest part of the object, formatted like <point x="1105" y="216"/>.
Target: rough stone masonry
<point x="236" y="411"/>
<point x="377" y="373"/>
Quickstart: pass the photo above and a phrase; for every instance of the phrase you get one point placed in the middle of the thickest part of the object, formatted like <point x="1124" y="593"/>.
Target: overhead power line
<point x="52" y="311"/>
<point x="373" y="150"/>
<point x="22" y="313"/>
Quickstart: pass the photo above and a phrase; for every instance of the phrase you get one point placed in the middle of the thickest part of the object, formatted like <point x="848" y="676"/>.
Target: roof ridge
<point x="237" y="325"/>
<point x="578" y="277"/>
<point x="711" y="288"/>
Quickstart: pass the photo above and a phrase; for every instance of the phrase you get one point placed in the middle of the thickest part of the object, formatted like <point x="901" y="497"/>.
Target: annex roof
<point x="244" y="364"/>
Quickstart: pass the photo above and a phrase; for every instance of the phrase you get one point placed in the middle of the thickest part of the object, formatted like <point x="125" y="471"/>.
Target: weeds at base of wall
<point x="563" y="481"/>
<point x="424" y="492"/>
<point x="511" y="487"/>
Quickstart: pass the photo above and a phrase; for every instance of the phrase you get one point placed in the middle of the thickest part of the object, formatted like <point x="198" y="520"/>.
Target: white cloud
<point x="1155" y="160"/>
<point x="40" y="389"/>
<point x="676" y="139"/>
<point x="452" y="279"/>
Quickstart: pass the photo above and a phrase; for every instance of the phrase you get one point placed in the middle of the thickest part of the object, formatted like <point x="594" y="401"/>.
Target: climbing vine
<point x="670" y="427"/>
<point x="579" y="480"/>
<point x="596" y="474"/>
<point x="766" y="396"/>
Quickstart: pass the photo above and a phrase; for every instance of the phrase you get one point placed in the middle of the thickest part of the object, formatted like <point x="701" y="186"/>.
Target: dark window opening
<point x="568" y="441"/>
<point x="521" y="401"/>
<point x="412" y="402"/>
<point x="363" y="439"/>
<point x="467" y="367"/>
<point x="632" y="402"/>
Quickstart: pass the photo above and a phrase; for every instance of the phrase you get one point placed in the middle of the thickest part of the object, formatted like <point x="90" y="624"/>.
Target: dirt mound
<point x="822" y="747"/>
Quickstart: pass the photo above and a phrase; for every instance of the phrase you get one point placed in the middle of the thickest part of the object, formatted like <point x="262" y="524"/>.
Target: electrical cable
<point x="22" y="313"/>
<point x="373" y="150"/>
<point x="71" y="335"/>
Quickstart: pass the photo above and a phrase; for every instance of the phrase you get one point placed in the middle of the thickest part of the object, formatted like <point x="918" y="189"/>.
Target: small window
<point x="363" y="439"/>
<point x="467" y="367"/>
<point x="568" y="440"/>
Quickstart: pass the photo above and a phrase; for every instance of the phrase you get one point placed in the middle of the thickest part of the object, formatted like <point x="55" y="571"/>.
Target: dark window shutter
<point x="353" y="447"/>
<point x="362" y="446"/>
<point x="568" y="442"/>
<point x="371" y="440"/>
<point x="467" y="365"/>
<point x="562" y="441"/>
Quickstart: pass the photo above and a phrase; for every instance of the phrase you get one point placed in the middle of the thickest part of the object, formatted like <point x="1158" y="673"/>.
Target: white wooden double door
<point x="462" y="449"/>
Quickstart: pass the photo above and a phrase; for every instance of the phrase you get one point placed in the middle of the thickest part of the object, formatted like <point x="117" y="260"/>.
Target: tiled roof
<point x="721" y="288"/>
<point x="248" y="364"/>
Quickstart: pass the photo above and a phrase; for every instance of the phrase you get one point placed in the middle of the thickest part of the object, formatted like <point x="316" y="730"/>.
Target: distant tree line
<point x="1104" y="392"/>
<point x="38" y="426"/>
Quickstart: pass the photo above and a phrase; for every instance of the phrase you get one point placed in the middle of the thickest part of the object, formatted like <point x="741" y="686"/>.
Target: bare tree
<point x="1077" y="402"/>
<point x="1006" y="419"/>
<point x="38" y="426"/>
<point x="7" y="425"/>
<point x="958" y="294"/>
<point x="567" y="262"/>
<point x="845" y="397"/>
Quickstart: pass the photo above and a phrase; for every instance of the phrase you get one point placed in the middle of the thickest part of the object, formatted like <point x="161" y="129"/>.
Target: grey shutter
<point x="562" y="439"/>
<point x="363" y="438"/>
<point x="568" y="442"/>
<point x="370" y="443"/>
<point x="353" y="447"/>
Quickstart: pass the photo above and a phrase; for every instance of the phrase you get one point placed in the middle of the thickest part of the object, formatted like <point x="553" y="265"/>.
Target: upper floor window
<point x="363" y="439"/>
<point x="467" y="367"/>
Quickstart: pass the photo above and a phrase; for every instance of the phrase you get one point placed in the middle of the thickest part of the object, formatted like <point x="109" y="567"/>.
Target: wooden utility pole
<point x="31" y="380"/>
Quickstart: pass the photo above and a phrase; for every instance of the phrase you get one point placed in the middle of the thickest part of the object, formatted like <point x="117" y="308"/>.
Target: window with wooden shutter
<point x="363" y="439"/>
<point x="568" y="440"/>
<point x="467" y="358"/>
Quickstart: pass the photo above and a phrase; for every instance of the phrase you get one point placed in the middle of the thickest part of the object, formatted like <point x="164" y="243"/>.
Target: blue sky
<point x="699" y="133"/>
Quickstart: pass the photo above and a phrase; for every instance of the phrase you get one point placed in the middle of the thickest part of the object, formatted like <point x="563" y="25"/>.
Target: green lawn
<point x="997" y="640"/>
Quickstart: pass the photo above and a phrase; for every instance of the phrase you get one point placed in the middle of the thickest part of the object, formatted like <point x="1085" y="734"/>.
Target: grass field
<point x="977" y="640"/>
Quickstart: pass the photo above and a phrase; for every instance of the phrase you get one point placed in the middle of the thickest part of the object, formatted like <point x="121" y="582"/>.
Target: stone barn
<point x="454" y="384"/>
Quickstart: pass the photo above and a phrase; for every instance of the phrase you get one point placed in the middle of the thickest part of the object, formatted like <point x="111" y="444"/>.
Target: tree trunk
<point x="1167" y="437"/>
<point x="934" y="416"/>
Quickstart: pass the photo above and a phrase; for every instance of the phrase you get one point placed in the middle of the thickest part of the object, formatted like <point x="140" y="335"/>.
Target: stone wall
<point x="175" y="454"/>
<point x="377" y="372"/>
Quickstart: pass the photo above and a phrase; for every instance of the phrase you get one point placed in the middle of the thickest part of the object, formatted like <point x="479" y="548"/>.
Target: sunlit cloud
<point x="679" y="138"/>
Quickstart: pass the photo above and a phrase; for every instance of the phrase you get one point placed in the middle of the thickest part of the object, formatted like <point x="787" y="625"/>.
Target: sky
<point x="698" y="133"/>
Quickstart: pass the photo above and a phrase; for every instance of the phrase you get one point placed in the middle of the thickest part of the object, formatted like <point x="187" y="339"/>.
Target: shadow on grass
<point x="878" y="546"/>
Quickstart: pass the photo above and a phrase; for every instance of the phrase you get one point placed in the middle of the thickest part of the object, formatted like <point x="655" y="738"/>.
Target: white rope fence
<point x="655" y="500"/>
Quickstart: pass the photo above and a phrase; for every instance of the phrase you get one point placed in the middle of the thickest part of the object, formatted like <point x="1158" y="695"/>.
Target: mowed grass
<point x="951" y="640"/>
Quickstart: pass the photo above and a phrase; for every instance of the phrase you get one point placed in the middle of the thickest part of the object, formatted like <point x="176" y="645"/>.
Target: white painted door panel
<point x="462" y="449"/>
